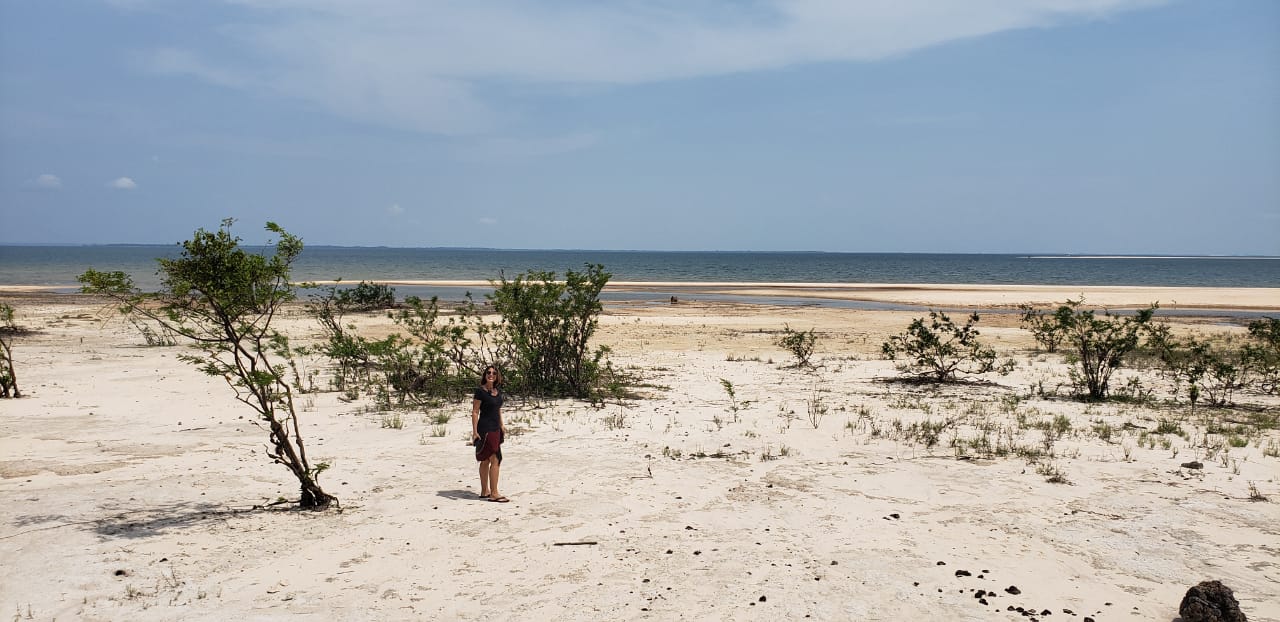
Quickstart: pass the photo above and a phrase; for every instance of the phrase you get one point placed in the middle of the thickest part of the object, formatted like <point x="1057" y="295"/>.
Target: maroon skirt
<point x="489" y="445"/>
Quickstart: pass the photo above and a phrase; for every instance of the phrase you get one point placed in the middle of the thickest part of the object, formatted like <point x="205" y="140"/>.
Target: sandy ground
<point x="129" y="482"/>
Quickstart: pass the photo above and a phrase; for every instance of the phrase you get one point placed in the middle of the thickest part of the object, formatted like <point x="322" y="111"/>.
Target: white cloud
<point x="123" y="183"/>
<point x="395" y="209"/>
<point x="430" y="65"/>
<point x="47" y="181"/>
<point x="488" y="221"/>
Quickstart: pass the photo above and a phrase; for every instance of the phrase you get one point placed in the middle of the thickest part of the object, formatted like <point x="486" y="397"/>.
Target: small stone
<point x="1013" y="589"/>
<point x="942" y="563"/>
<point x="762" y="599"/>
<point x="963" y="573"/>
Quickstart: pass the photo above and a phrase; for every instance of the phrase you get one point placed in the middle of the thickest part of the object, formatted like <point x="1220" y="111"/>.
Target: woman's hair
<point x="497" y="380"/>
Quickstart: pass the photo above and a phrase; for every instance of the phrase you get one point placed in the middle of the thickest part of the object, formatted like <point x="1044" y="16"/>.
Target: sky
<point x="970" y="126"/>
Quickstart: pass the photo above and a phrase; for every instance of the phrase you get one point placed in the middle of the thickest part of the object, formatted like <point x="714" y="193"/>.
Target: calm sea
<point x="57" y="266"/>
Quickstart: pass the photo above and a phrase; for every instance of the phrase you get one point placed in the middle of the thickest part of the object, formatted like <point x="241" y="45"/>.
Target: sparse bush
<point x="8" y="373"/>
<point x="1206" y="368"/>
<point x="548" y="325"/>
<point x="940" y="351"/>
<point x="799" y="343"/>
<point x="368" y="296"/>
<point x="1048" y="330"/>
<point x="1098" y="345"/>
<point x="1262" y="358"/>
<point x="348" y="350"/>
<point x="222" y="299"/>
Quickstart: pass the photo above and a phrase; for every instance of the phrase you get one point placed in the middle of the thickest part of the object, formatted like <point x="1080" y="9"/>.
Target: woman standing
<point x="487" y="431"/>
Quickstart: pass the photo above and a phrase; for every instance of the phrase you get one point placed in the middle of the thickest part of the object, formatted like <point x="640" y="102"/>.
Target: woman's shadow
<point x="458" y="494"/>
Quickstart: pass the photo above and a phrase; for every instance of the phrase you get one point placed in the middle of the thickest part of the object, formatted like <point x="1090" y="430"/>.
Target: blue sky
<point x="1055" y="126"/>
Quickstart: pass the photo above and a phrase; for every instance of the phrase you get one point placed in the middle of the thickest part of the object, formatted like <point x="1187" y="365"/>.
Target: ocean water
<point x="57" y="267"/>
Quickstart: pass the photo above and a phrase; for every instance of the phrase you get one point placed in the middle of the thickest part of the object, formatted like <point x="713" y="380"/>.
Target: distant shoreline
<point x="948" y="295"/>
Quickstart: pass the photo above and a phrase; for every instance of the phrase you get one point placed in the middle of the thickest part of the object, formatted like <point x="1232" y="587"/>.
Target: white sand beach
<point x="131" y="480"/>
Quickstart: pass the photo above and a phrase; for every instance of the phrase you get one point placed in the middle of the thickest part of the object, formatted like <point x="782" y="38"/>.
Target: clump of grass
<point x="617" y="420"/>
<point x="393" y="420"/>
<point x="815" y="407"/>
<point x="1168" y="427"/>
<point x="1254" y="494"/>
<point x="1052" y="473"/>
<point x="1237" y="441"/>
<point x="1104" y="430"/>
<point x="439" y="418"/>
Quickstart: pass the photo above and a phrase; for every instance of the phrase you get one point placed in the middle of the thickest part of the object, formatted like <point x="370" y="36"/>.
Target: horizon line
<point x="1027" y="255"/>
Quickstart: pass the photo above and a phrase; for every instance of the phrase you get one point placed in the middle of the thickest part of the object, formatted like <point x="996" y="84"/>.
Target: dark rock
<point x="762" y="599"/>
<point x="1013" y="589"/>
<point x="942" y="563"/>
<point x="1088" y="619"/>
<point x="1194" y="464"/>
<point x="963" y="573"/>
<point x="1210" y="601"/>
<point x="983" y="601"/>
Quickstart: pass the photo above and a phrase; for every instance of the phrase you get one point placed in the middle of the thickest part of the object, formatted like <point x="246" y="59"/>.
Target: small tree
<point x="799" y="343"/>
<point x="940" y="351"/>
<point x="222" y="300"/>
<point x="1099" y="344"/>
<point x="547" y="325"/>
<point x="8" y="373"/>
